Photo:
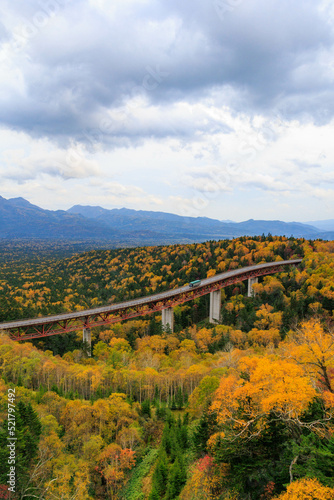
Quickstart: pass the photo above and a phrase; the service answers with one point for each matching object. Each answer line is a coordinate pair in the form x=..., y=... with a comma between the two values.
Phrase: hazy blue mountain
x=326, y=235
x=276, y=227
x=126, y=227
x=21, y=202
x=175, y=224
x=323, y=225
x=21, y=219
x=164, y=223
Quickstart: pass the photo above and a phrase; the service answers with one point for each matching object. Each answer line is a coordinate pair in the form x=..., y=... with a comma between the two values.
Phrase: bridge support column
x=168, y=318
x=251, y=282
x=87, y=338
x=215, y=306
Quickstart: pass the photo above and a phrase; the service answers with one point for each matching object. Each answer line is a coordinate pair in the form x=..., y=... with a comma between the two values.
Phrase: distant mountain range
x=324, y=225
x=121, y=227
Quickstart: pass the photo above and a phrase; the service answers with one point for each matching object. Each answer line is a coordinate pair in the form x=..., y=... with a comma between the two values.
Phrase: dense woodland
x=241, y=410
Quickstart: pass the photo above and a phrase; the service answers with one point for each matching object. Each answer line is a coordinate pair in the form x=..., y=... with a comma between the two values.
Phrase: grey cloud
x=81, y=64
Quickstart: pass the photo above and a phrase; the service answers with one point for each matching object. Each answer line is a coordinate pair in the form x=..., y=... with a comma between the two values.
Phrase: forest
x=240, y=410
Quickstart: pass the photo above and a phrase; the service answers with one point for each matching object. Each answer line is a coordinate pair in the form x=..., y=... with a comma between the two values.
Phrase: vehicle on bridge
x=114, y=313
x=192, y=284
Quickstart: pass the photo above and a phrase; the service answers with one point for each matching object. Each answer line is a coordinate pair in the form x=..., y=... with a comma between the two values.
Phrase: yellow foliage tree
x=268, y=319
x=202, y=395
x=238, y=338
x=313, y=348
x=205, y=481
x=210, y=273
x=204, y=339
x=306, y=489
x=264, y=337
x=278, y=388
x=71, y=480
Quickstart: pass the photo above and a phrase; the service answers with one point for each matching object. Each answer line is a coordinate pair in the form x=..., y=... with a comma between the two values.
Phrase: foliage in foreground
x=258, y=387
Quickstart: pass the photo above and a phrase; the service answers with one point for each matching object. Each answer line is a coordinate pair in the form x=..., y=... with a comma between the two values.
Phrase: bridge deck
x=219, y=278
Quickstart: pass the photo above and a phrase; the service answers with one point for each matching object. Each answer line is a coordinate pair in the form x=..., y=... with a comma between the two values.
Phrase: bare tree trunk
x=290, y=468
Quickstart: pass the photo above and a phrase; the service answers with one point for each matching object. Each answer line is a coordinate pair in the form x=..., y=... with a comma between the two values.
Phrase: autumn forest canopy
x=240, y=410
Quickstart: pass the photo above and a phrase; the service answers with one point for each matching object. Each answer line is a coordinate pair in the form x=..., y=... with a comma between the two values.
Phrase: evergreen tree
x=182, y=436
x=173, y=404
x=160, y=477
x=154, y=495
x=27, y=433
x=177, y=479
x=146, y=408
x=186, y=419
x=166, y=442
x=179, y=399
x=161, y=411
x=203, y=431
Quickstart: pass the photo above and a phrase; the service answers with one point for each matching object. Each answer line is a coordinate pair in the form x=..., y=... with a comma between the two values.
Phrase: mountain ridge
x=123, y=226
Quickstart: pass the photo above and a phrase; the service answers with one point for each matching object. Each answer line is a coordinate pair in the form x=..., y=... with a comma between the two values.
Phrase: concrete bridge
x=165, y=301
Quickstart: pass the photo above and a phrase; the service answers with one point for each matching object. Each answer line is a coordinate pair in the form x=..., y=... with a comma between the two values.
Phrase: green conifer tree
x=160, y=477
x=146, y=408
x=177, y=479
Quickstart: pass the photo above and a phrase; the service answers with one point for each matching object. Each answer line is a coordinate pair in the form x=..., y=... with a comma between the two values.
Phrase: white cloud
x=168, y=104
x=41, y=158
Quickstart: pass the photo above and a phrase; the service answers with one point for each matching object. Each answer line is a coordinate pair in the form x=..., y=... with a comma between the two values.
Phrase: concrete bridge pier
x=87, y=338
x=168, y=318
x=215, y=306
x=251, y=282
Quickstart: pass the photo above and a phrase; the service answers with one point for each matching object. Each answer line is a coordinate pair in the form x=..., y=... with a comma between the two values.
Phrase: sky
x=216, y=108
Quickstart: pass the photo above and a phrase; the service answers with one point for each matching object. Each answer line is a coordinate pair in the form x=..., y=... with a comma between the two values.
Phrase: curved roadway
x=143, y=300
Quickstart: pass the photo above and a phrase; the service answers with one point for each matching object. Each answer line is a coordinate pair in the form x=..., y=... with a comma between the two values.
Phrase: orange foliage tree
x=312, y=348
x=268, y=387
x=113, y=463
x=307, y=489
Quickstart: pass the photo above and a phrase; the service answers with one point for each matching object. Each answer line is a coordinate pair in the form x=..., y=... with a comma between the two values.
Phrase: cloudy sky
x=218, y=108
